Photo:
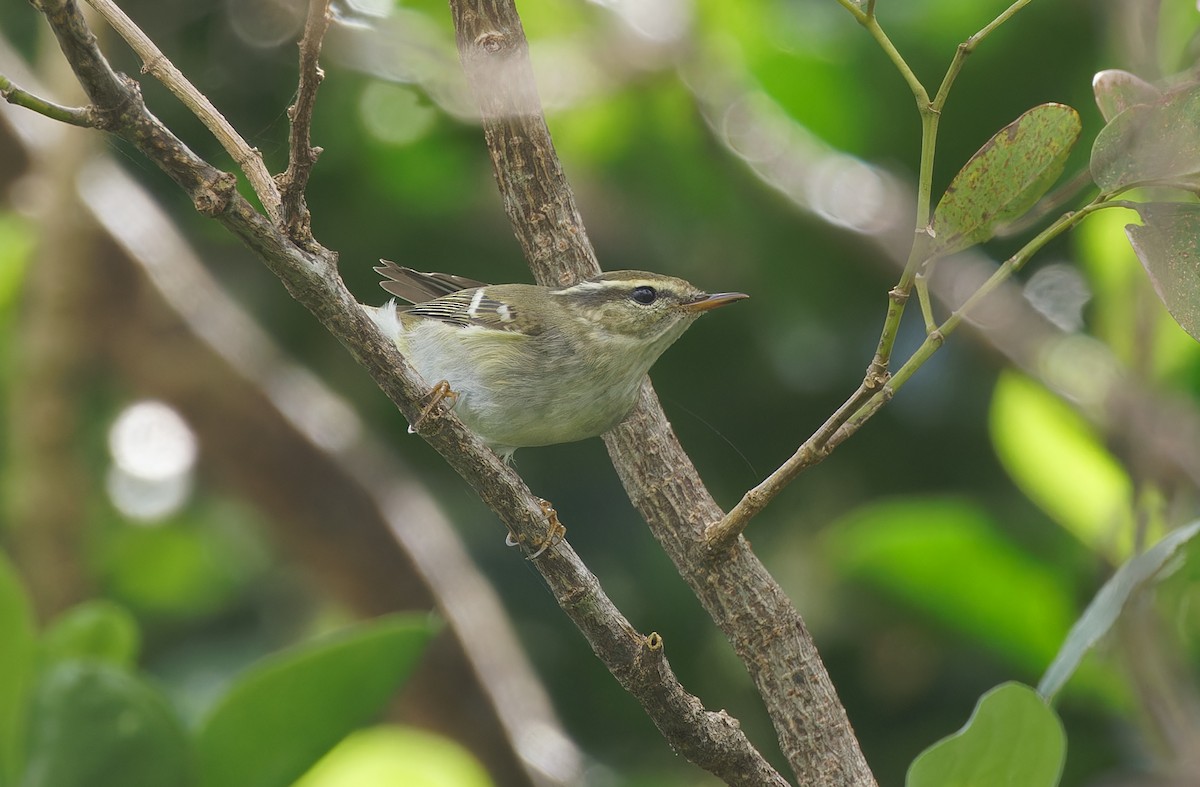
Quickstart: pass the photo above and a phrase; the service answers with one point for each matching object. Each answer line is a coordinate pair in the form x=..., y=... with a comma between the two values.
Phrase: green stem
x=967, y=47
x=1010, y=266
x=931, y=113
x=75, y=116
x=876, y=388
x=923, y=298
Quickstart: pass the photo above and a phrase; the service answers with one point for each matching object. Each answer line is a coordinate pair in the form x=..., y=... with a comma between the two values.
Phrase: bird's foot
x=555, y=532
x=442, y=392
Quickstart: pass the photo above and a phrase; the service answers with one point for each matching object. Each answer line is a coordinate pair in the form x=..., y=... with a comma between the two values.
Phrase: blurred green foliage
x=76, y=711
x=946, y=549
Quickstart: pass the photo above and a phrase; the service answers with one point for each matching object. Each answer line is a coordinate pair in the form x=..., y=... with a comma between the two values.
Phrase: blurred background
x=181, y=438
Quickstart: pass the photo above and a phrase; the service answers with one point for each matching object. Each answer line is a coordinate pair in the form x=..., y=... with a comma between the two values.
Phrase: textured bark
x=744, y=600
x=764, y=627
x=540, y=205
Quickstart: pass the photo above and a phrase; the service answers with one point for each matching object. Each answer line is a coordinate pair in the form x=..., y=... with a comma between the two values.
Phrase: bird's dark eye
x=644, y=295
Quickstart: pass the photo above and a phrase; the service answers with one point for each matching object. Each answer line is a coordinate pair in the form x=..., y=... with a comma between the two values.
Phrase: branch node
x=653, y=641
x=490, y=41
x=214, y=196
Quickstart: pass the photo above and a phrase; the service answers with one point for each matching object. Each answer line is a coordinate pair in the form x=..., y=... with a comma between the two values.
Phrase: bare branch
x=303, y=155
x=117, y=102
x=390, y=514
x=745, y=601
x=367, y=479
x=736, y=590
x=537, y=197
x=155, y=63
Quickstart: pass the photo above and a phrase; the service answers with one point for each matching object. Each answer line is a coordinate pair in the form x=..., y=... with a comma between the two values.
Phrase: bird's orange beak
x=710, y=302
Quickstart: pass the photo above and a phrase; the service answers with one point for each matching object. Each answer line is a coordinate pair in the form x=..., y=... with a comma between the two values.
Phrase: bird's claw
x=555, y=532
x=442, y=392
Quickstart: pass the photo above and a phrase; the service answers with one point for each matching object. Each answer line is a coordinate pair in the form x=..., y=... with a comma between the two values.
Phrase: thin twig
x=967, y=47
x=75, y=116
x=721, y=534
x=302, y=155
x=1003, y=273
x=921, y=283
x=155, y=63
x=931, y=113
x=1023, y=336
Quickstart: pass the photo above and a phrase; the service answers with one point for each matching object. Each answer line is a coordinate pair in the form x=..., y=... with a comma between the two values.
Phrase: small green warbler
x=528, y=365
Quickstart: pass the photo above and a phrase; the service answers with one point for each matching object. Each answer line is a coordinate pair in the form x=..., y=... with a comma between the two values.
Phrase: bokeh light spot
x=393, y=114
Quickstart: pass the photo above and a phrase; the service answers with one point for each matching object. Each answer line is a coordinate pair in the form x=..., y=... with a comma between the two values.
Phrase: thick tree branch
x=539, y=203
x=736, y=590
x=745, y=601
x=311, y=278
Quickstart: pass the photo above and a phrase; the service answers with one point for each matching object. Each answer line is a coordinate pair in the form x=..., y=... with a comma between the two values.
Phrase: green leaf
x=1117, y=91
x=1005, y=177
x=289, y=710
x=946, y=558
x=1159, y=346
x=1168, y=244
x=1056, y=458
x=1013, y=739
x=16, y=668
x=96, y=725
x=1106, y=607
x=1151, y=144
x=94, y=629
x=393, y=755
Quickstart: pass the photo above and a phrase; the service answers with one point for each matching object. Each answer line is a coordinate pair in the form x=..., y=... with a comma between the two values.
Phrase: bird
x=530, y=365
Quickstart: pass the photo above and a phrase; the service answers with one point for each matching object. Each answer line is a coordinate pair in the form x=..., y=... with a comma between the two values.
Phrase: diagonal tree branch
x=765, y=629
x=265, y=443
x=712, y=740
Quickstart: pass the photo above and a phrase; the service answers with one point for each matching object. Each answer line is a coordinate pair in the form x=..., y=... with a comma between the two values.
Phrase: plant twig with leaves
x=1002, y=182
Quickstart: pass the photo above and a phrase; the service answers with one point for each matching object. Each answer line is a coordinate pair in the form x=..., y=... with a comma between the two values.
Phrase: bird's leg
x=438, y=394
x=555, y=532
